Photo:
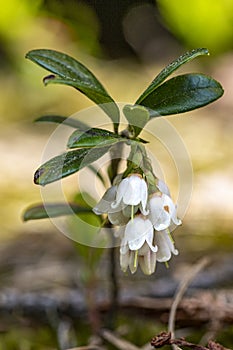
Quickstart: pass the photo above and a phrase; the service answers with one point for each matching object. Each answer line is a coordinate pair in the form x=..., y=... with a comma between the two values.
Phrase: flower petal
x=131, y=191
x=136, y=232
x=135, y=237
x=144, y=196
x=143, y=210
x=104, y=204
x=167, y=201
x=124, y=261
x=170, y=243
x=132, y=194
x=147, y=262
x=163, y=188
x=149, y=240
x=159, y=217
x=124, y=245
x=164, y=252
x=165, y=246
x=133, y=263
x=117, y=218
x=120, y=192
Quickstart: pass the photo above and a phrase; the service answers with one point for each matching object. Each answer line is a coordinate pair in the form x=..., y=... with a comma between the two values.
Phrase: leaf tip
x=48, y=78
x=200, y=51
x=28, y=54
x=24, y=217
x=37, y=176
x=205, y=50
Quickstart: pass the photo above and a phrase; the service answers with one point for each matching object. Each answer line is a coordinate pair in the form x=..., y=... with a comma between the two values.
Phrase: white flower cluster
x=144, y=219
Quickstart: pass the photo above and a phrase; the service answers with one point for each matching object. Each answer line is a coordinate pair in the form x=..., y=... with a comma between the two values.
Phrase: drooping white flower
x=117, y=216
x=137, y=246
x=138, y=231
x=165, y=245
x=162, y=211
x=144, y=257
x=145, y=237
x=132, y=191
x=104, y=205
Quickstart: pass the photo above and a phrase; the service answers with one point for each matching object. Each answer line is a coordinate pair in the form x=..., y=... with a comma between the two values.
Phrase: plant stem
x=116, y=156
x=114, y=288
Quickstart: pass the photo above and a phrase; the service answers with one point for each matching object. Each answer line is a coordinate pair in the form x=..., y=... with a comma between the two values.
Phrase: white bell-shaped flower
x=104, y=205
x=132, y=191
x=144, y=257
x=137, y=246
x=165, y=245
x=162, y=211
x=120, y=214
x=138, y=231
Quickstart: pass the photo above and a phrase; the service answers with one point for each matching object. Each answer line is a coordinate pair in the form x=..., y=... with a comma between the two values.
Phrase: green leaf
x=52, y=210
x=70, y=72
x=168, y=70
x=67, y=164
x=93, y=138
x=137, y=117
x=63, y=120
x=182, y=94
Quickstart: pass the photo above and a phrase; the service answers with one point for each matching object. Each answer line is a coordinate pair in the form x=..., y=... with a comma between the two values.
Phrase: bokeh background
x=125, y=43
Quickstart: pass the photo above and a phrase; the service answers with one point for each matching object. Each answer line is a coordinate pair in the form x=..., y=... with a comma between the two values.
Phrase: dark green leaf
x=168, y=70
x=53, y=210
x=182, y=94
x=93, y=138
x=137, y=117
x=63, y=120
x=67, y=164
x=70, y=72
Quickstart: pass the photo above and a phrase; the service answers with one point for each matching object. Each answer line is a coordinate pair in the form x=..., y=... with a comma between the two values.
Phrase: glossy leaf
x=168, y=70
x=70, y=72
x=137, y=116
x=53, y=210
x=58, y=119
x=67, y=164
x=93, y=138
x=183, y=93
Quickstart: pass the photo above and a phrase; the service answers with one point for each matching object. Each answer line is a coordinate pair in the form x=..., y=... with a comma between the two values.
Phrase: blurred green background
x=125, y=43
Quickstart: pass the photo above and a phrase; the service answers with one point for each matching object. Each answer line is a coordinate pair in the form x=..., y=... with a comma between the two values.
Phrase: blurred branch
x=38, y=307
x=180, y=292
x=112, y=314
x=118, y=342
